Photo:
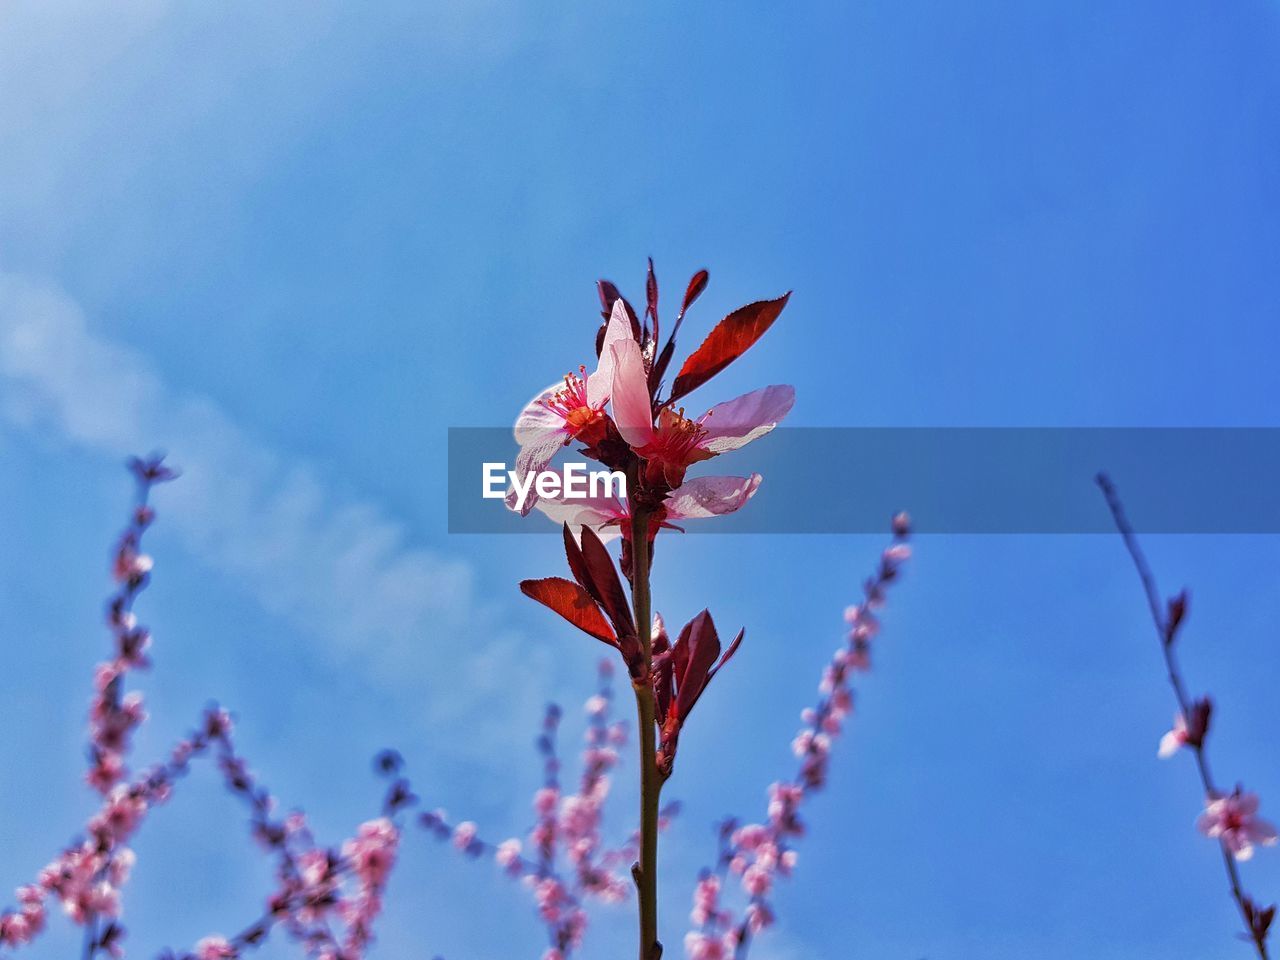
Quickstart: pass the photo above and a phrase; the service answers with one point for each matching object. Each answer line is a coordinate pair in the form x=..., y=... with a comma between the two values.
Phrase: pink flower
x=373, y=851
x=508, y=855
x=215, y=948
x=1175, y=739
x=757, y=881
x=569, y=410
x=700, y=946
x=131, y=565
x=545, y=800
x=464, y=834
x=1233, y=820
x=675, y=442
x=706, y=900
x=1187, y=732
x=696, y=499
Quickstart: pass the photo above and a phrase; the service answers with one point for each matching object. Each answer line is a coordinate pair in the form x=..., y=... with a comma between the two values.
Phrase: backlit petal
x=710, y=497
x=535, y=420
x=618, y=331
x=599, y=513
x=632, y=410
x=737, y=422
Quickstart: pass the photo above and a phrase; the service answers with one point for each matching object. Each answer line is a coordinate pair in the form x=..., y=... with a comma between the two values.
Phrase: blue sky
x=294, y=243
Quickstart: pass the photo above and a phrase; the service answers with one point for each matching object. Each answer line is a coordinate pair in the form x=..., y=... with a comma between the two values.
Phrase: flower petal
x=632, y=410
x=601, y=514
x=535, y=420
x=533, y=458
x=737, y=422
x=710, y=497
x=600, y=383
x=1263, y=832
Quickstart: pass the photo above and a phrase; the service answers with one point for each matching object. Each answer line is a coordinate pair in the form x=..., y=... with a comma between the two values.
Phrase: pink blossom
x=697, y=499
x=759, y=917
x=702, y=946
x=215, y=948
x=757, y=881
x=1233, y=820
x=508, y=855
x=545, y=801
x=1174, y=739
x=706, y=901
x=464, y=834
x=568, y=410
x=129, y=564
x=373, y=851
x=676, y=441
x=1189, y=729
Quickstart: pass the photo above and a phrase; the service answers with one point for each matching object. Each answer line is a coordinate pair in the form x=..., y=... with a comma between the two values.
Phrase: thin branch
x=1167, y=625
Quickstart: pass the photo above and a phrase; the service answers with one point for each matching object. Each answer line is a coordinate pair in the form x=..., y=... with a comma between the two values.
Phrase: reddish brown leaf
x=609, y=294
x=662, y=673
x=605, y=584
x=702, y=648
x=730, y=339
x=651, y=296
x=577, y=566
x=697, y=284
x=572, y=602
x=728, y=655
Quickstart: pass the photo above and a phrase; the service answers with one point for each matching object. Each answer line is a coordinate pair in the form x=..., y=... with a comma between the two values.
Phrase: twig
x=1167, y=622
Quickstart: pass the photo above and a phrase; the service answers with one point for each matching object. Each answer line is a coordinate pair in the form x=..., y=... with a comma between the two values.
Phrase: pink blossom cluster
x=87, y=878
x=114, y=714
x=326, y=899
x=563, y=859
x=757, y=854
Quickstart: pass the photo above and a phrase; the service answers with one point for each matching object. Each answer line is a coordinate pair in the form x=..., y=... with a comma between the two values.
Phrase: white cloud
x=340, y=568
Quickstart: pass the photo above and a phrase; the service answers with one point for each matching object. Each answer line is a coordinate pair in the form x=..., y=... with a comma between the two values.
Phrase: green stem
x=650, y=782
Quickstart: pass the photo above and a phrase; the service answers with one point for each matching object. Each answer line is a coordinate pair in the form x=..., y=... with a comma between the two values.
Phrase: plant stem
x=646, y=874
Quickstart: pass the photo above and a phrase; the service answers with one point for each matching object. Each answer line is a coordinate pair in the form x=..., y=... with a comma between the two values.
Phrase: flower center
x=678, y=437
x=570, y=403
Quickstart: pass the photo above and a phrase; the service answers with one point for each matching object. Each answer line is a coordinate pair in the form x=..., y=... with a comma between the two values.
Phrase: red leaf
x=662, y=673
x=728, y=655
x=730, y=339
x=572, y=602
x=697, y=284
x=702, y=647
x=605, y=585
x=609, y=294
x=577, y=566
x=651, y=296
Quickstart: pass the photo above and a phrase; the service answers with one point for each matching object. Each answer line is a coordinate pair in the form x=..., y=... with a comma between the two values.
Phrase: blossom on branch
x=1234, y=820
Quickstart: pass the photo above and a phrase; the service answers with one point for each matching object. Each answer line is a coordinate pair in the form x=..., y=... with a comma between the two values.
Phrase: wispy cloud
x=340, y=568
